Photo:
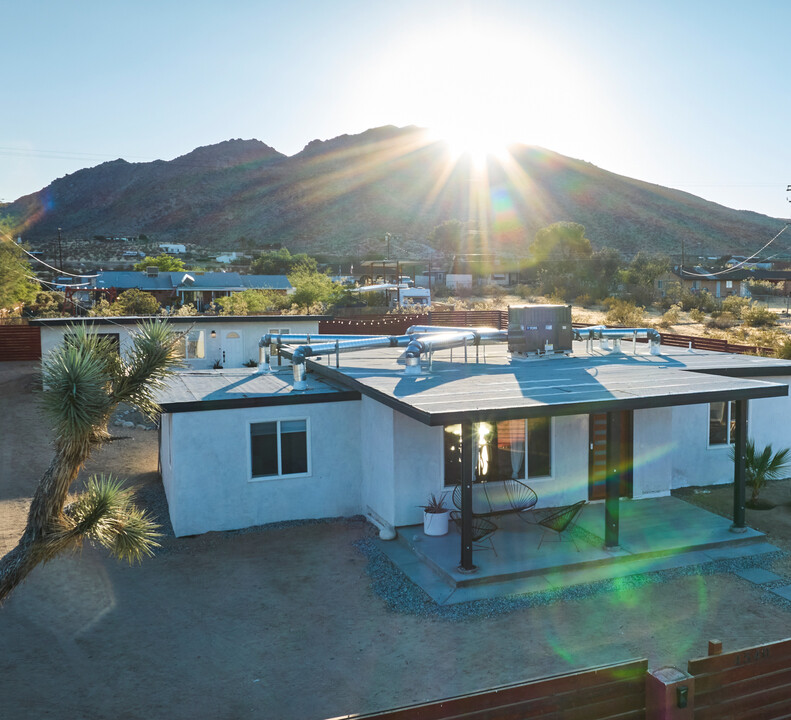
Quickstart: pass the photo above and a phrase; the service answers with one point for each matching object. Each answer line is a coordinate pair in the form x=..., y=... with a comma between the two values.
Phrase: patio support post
x=469, y=446
x=612, y=497
x=739, y=448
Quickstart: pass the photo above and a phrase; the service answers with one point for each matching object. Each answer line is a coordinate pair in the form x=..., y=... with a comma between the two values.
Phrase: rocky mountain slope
x=342, y=195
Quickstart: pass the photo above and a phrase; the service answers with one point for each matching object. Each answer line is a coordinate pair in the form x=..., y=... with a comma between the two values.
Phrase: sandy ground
x=282, y=623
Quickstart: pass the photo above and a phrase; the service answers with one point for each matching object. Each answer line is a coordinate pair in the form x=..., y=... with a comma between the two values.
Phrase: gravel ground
x=308, y=620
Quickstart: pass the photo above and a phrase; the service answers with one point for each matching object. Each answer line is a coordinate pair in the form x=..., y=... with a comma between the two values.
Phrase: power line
x=743, y=262
x=52, y=267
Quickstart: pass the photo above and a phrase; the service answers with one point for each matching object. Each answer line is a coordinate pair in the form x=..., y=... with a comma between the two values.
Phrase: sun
x=478, y=140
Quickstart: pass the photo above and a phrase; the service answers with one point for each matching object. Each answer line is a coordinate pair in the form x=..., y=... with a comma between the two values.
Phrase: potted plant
x=760, y=467
x=435, y=516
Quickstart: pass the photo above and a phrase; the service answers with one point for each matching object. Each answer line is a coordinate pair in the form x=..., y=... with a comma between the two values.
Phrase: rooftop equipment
x=539, y=329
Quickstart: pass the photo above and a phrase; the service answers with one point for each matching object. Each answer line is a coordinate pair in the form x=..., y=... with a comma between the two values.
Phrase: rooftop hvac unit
x=539, y=329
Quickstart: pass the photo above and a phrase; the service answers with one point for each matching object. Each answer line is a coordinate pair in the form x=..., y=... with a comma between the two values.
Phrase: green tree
x=561, y=241
x=166, y=263
x=312, y=289
x=282, y=262
x=129, y=302
x=84, y=381
x=253, y=302
x=15, y=286
x=640, y=276
x=447, y=236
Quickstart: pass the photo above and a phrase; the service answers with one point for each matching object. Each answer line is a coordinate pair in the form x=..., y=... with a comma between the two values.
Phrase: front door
x=232, y=350
x=597, y=454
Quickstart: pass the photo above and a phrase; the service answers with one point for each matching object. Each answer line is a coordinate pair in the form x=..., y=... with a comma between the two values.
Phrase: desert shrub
x=583, y=300
x=783, y=350
x=735, y=304
x=758, y=316
x=670, y=317
x=697, y=315
x=185, y=310
x=439, y=290
x=764, y=287
x=623, y=312
x=524, y=291
x=722, y=320
x=495, y=291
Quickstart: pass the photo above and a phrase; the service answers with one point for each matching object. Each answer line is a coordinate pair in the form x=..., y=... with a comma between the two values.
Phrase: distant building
x=172, y=248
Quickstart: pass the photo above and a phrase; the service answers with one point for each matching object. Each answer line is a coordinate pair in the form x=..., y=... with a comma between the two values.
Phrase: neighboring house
x=228, y=257
x=743, y=262
x=198, y=288
x=172, y=249
x=481, y=270
x=225, y=339
x=242, y=448
x=698, y=279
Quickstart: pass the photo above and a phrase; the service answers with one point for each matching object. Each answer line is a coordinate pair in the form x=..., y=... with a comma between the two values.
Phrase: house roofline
x=174, y=319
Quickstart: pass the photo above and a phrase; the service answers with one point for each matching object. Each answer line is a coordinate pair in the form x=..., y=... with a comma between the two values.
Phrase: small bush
x=697, y=315
x=671, y=317
x=758, y=316
x=623, y=312
x=525, y=291
x=735, y=304
x=783, y=350
x=495, y=291
x=584, y=300
x=722, y=320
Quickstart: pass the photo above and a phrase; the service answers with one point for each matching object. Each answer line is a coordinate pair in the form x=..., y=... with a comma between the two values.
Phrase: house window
x=722, y=423
x=278, y=448
x=729, y=284
x=502, y=452
x=192, y=345
x=279, y=331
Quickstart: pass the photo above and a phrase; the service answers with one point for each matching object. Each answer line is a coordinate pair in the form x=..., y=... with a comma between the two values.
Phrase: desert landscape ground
x=288, y=622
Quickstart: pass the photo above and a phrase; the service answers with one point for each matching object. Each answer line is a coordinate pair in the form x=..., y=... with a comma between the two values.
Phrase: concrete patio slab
x=758, y=575
x=655, y=534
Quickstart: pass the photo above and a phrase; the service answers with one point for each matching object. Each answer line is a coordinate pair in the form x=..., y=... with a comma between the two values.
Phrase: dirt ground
x=283, y=623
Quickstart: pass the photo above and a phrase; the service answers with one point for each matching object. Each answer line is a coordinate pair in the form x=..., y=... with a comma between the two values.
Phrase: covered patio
x=655, y=534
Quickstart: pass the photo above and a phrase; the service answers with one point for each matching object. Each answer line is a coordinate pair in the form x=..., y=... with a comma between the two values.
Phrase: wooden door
x=597, y=454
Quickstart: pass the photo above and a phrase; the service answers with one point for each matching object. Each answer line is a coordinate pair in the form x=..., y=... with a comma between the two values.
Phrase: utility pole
x=60, y=252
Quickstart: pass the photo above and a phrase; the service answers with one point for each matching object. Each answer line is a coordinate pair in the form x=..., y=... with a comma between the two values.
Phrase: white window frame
x=280, y=475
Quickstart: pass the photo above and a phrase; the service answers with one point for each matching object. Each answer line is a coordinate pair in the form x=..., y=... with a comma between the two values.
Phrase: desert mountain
x=335, y=196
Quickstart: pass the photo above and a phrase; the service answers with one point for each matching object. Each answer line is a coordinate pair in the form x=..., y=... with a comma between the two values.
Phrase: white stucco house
x=227, y=340
x=368, y=434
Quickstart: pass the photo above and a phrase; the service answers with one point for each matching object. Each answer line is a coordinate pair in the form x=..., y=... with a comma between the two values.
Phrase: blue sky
x=692, y=95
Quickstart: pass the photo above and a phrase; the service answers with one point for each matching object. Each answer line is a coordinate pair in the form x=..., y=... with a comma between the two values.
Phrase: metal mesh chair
x=517, y=498
x=559, y=521
x=482, y=530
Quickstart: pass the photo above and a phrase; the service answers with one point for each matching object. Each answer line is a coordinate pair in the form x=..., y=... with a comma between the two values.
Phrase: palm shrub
x=761, y=467
x=84, y=380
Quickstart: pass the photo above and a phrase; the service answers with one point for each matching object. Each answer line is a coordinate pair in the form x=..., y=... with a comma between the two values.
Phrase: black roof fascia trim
x=745, y=372
x=315, y=398
x=600, y=406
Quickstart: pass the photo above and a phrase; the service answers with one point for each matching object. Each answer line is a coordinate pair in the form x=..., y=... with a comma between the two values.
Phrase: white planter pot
x=436, y=523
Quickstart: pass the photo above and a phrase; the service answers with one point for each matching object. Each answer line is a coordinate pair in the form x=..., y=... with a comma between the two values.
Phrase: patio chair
x=559, y=521
x=482, y=530
x=516, y=498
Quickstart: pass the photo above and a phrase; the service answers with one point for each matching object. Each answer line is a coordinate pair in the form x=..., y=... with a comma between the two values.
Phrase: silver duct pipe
x=602, y=333
x=299, y=355
x=268, y=344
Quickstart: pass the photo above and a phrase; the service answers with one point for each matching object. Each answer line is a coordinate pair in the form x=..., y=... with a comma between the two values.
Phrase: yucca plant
x=761, y=467
x=84, y=380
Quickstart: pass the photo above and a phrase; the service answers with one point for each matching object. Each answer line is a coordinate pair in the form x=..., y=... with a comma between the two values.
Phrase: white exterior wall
x=652, y=451
x=694, y=462
x=209, y=485
x=249, y=332
x=377, y=459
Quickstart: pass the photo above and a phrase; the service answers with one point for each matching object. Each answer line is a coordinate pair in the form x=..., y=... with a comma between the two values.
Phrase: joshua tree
x=84, y=380
x=760, y=467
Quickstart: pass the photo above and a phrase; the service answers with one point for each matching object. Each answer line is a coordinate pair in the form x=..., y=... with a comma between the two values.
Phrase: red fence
x=20, y=342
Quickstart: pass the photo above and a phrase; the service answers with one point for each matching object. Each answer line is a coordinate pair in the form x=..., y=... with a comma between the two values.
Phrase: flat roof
x=198, y=390
x=174, y=319
x=500, y=388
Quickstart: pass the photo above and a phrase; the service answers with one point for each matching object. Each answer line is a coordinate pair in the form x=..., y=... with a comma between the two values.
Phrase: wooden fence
x=745, y=684
x=19, y=342
x=602, y=693
x=749, y=684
